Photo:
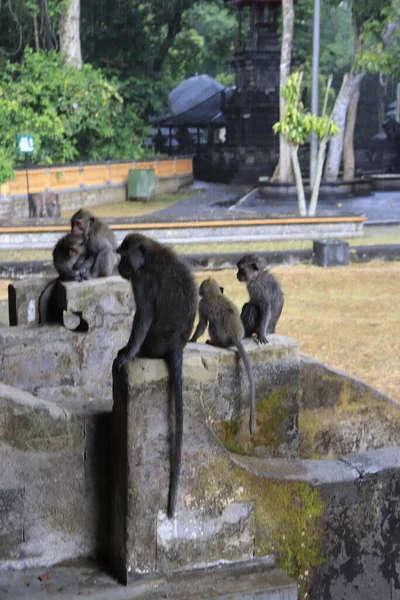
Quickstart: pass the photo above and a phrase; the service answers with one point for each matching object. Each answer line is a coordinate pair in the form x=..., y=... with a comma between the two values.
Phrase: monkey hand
x=122, y=359
x=262, y=339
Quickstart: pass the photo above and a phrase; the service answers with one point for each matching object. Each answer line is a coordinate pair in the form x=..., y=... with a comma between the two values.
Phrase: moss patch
x=288, y=515
x=271, y=414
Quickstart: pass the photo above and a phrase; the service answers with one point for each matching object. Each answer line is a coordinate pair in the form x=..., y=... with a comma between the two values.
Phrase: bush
x=73, y=114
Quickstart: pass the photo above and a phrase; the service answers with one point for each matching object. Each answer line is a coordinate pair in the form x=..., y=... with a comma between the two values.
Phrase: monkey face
x=249, y=267
x=133, y=252
x=81, y=223
x=76, y=247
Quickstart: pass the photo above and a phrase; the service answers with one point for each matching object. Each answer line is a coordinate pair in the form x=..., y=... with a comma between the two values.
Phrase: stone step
x=197, y=538
x=252, y=580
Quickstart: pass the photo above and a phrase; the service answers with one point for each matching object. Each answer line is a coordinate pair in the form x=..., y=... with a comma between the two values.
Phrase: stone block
x=142, y=538
x=23, y=298
x=330, y=253
x=95, y=298
x=31, y=360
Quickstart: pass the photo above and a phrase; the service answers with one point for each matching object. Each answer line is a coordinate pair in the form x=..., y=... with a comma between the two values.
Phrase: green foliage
x=376, y=55
x=6, y=166
x=297, y=122
x=336, y=38
x=73, y=114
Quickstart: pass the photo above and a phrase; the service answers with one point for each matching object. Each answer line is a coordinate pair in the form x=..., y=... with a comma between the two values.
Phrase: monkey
x=225, y=329
x=44, y=205
x=100, y=242
x=260, y=315
x=166, y=304
x=68, y=258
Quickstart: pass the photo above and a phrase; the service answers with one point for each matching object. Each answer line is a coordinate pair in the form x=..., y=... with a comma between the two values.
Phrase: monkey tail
x=245, y=358
x=47, y=307
x=175, y=371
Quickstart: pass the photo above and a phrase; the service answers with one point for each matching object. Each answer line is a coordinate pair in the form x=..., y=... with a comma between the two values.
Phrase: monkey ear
x=222, y=290
x=91, y=220
x=143, y=249
x=254, y=266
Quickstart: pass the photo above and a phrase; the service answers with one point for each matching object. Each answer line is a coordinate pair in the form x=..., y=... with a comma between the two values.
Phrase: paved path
x=220, y=201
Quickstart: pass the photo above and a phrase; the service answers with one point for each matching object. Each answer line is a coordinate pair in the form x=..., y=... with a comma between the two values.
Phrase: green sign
x=25, y=143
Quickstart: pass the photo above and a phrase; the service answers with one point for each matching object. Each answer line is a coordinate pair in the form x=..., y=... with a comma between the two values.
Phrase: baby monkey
x=260, y=315
x=224, y=327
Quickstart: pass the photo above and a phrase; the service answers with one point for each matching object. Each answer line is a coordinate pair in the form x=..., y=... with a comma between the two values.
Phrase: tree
x=368, y=17
x=296, y=126
x=285, y=173
x=73, y=114
x=70, y=40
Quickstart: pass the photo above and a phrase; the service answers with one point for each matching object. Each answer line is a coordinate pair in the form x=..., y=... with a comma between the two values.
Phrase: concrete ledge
x=200, y=262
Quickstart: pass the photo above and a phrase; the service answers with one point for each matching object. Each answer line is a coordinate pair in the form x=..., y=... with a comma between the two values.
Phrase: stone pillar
x=210, y=524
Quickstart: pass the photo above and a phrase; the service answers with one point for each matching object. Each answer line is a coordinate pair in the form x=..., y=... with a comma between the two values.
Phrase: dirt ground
x=347, y=317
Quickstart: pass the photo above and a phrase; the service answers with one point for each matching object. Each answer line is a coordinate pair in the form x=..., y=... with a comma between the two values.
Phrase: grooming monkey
x=166, y=304
x=260, y=315
x=224, y=327
x=100, y=242
x=68, y=258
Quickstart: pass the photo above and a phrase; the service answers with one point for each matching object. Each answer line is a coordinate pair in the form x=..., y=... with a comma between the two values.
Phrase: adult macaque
x=166, y=304
x=260, y=315
x=69, y=256
x=224, y=327
x=44, y=204
x=100, y=242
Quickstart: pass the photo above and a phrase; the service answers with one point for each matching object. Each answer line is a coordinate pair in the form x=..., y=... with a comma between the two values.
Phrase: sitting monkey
x=69, y=256
x=260, y=315
x=224, y=327
x=100, y=243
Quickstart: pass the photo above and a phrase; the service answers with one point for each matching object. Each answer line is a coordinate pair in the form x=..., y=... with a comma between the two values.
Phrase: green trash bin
x=141, y=184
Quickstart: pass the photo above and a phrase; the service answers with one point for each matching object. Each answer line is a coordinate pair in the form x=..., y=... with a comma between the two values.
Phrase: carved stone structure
x=80, y=479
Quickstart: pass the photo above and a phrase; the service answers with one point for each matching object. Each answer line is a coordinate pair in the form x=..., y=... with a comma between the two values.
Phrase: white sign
x=25, y=143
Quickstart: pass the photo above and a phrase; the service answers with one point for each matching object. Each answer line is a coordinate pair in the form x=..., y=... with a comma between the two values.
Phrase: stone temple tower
x=253, y=107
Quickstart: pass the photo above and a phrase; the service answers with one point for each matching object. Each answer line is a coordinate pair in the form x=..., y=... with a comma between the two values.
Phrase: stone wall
x=53, y=481
x=54, y=361
x=77, y=480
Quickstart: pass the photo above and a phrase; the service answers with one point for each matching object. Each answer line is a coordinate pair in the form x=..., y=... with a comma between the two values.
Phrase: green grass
x=137, y=208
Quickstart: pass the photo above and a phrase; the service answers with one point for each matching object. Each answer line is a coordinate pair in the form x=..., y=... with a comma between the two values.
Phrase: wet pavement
x=212, y=201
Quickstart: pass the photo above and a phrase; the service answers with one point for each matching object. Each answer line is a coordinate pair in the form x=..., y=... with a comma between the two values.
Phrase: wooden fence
x=75, y=177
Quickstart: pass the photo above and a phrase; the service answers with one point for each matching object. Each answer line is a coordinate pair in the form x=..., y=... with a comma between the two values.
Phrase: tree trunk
x=48, y=32
x=285, y=171
x=383, y=83
x=70, y=40
x=36, y=32
x=299, y=180
x=349, y=163
x=318, y=176
x=339, y=116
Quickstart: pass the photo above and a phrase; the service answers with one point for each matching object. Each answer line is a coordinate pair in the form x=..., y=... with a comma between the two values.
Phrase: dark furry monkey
x=166, y=304
x=68, y=258
x=224, y=327
x=101, y=245
x=260, y=315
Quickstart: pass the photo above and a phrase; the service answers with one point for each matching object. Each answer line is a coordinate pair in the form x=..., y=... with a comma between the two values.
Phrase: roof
x=196, y=102
x=192, y=91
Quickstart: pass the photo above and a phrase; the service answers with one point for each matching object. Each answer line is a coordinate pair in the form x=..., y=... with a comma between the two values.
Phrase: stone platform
x=255, y=580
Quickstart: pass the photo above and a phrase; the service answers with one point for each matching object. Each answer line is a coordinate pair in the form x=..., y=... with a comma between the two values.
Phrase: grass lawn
x=136, y=208
x=347, y=317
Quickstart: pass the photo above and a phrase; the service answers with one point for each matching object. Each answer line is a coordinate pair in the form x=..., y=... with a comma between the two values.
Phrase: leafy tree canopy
x=73, y=114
